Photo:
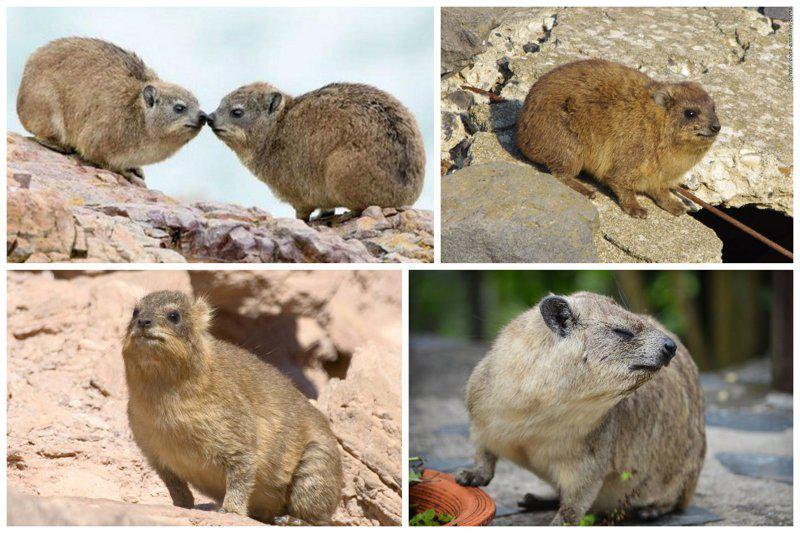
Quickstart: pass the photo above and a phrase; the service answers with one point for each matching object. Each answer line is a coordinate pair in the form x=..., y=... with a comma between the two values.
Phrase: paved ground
x=746, y=480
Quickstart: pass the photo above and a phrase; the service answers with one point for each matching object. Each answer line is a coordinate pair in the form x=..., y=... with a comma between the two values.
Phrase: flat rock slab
x=61, y=210
x=24, y=510
x=758, y=465
x=509, y=213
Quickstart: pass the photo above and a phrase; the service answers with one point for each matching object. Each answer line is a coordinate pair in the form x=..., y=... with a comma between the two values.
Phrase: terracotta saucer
x=470, y=506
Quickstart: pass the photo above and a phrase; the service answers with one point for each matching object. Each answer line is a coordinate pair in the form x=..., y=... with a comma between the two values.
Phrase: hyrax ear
x=275, y=102
x=149, y=95
x=202, y=312
x=663, y=97
x=557, y=314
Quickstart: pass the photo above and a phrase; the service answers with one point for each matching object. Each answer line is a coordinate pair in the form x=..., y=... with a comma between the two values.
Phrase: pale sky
x=212, y=51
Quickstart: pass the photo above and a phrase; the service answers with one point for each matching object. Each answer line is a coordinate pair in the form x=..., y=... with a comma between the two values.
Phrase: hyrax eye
x=174, y=317
x=690, y=113
x=179, y=108
x=624, y=333
x=237, y=112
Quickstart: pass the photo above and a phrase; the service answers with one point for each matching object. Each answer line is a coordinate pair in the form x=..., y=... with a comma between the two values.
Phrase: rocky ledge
x=742, y=57
x=61, y=210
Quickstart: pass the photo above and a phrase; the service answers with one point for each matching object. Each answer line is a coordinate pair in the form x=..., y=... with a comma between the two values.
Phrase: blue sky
x=211, y=51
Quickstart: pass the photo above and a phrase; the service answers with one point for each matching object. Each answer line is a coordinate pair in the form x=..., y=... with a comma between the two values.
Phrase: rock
x=463, y=33
x=366, y=416
x=332, y=332
x=500, y=212
x=24, y=510
x=660, y=238
x=493, y=117
x=59, y=210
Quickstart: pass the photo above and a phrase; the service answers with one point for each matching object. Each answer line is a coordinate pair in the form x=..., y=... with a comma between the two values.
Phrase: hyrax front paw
x=472, y=477
x=636, y=211
x=671, y=205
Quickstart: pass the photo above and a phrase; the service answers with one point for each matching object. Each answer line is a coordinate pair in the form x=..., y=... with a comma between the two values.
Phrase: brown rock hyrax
x=90, y=97
x=208, y=414
x=344, y=145
x=631, y=133
x=603, y=404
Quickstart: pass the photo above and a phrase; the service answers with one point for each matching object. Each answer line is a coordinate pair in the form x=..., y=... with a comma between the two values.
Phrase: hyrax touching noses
x=94, y=98
x=344, y=145
x=631, y=133
x=602, y=404
x=208, y=414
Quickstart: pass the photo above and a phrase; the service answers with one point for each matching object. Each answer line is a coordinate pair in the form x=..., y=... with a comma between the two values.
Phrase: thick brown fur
x=344, y=145
x=211, y=415
x=92, y=97
x=582, y=393
x=631, y=133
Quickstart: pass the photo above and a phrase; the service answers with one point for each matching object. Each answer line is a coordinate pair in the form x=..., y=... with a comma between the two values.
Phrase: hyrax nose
x=144, y=322
x=211, y=118
x=201, y=118
x=715, y=127
x=668, y=350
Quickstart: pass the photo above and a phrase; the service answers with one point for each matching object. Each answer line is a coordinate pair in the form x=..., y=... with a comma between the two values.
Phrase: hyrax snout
x=344, y=145
x=92, y=97
x=208, y=414
x=601, y=403
x=630, y=132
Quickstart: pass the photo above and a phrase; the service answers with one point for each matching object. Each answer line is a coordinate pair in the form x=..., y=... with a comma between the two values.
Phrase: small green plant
x=431, y=517
x=626, y=476
x=587, y=520
x=414, y=470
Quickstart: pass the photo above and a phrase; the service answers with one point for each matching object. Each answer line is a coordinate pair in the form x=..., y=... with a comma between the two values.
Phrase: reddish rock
x=61, y=210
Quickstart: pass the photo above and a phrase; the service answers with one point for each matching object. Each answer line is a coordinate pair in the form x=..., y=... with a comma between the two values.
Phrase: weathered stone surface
x=464, y=32
x=366, y=416
x=24, y=510
x=500, y=212
x=60, y=210
x=332, y=332
x=740, y=56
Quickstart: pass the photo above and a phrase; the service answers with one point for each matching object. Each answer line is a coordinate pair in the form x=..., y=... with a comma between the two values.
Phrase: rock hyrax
x=632, y=133
x=344, y=145
x=94, y=98
x=209, y=414
x=603, y=404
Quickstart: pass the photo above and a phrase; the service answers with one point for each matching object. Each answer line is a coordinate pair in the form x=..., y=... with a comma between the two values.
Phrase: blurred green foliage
x=722, y=316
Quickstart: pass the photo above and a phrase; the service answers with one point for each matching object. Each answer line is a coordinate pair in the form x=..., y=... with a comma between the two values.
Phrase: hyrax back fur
x=581, y=392
x=632, y=133
x=94, y=98
x=344, y=145
x=209, y=414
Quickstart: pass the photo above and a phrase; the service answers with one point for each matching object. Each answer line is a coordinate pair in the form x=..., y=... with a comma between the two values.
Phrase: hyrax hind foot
x=54, y=146
x=287, y=520
x=530, y=502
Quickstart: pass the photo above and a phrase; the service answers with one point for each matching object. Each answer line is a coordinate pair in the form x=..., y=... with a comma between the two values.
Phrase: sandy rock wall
x=338, y=334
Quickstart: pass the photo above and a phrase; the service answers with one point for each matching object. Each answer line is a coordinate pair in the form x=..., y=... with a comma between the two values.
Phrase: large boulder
x=506, y=213
x=334, y=333
x=60, y=210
